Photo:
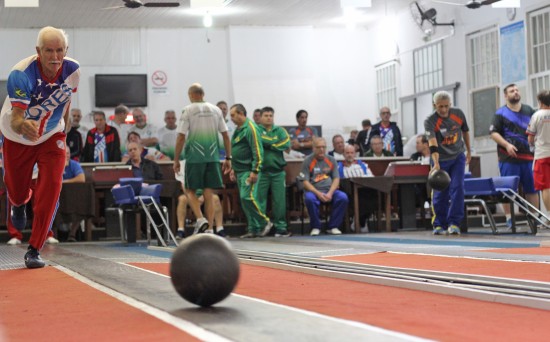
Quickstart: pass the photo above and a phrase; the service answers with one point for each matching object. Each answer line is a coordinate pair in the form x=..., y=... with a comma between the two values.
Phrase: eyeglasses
x=385, y=113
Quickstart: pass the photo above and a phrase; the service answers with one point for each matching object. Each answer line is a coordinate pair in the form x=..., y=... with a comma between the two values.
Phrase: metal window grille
x=484, y=62
x=386, y=85
x=539, y=50
x=428, y=67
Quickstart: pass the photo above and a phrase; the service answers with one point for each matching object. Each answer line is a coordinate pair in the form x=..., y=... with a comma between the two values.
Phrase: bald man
x=34, y=120
x=198, y=131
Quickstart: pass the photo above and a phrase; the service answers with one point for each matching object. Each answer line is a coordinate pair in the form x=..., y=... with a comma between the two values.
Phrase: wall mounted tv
x=127, y=89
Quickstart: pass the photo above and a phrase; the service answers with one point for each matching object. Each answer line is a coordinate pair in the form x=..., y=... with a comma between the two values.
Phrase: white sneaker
x=334, y=231
x=52, y=240
x=267, y=229
x=365, y=229
x=14, y=241
x=201, y=225
x=315, y=232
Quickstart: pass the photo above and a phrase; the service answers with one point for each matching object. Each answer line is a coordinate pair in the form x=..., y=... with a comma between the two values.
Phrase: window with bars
x=483, y=52
x=539, y=50
x=428, y=67
x=386, y=85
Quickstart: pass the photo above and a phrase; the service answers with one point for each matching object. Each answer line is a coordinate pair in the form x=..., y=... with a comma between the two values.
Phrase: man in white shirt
x=119, y=122
x=146, y=131
x=167, y=135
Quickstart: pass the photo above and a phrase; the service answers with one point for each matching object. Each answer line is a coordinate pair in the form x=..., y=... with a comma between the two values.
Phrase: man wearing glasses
x=389, y=132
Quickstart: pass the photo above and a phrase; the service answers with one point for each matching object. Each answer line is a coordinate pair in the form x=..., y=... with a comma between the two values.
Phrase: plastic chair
x=147, y=198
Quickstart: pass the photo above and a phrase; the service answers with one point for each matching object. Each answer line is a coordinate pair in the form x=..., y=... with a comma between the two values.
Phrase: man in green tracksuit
x=275, y=140
x=247, y=149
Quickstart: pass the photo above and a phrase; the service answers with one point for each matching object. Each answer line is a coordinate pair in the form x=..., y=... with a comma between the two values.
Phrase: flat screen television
x=128, y=89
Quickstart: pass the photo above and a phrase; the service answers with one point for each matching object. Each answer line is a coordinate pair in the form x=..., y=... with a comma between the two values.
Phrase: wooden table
x=380, y=183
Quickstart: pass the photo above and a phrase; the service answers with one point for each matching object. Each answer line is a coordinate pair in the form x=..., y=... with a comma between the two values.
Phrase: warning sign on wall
x=159, y=79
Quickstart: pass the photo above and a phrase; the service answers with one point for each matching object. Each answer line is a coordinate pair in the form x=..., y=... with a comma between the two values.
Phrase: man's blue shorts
x=525, y=172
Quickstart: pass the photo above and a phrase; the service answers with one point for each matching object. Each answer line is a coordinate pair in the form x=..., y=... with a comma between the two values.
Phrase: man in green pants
x=275, y=140
x=247, y=149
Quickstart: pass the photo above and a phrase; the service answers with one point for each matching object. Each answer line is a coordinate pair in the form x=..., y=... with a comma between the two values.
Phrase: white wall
x=329, y=72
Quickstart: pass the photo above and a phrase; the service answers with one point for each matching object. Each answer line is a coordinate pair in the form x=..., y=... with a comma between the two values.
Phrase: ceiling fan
x=425, y=19
x=472, y=4
x=138, y=3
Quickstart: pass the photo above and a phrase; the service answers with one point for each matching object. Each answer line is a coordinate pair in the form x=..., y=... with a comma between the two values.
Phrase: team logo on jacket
x=60, y=144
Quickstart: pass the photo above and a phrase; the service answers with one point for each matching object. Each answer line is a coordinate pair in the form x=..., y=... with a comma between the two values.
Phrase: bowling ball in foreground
x=439, y=180
x=204, y=269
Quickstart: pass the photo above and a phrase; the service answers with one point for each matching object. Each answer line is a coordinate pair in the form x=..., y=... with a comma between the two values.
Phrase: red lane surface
x=530, y=251
x=497, y=268
x=49, y=305
x=417, y=313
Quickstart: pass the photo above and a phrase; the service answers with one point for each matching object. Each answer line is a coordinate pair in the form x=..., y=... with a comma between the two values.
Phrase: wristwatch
x=227, y=157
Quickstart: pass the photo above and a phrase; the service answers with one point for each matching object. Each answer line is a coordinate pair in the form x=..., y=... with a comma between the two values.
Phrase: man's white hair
x=48, y=32
x=442, y=95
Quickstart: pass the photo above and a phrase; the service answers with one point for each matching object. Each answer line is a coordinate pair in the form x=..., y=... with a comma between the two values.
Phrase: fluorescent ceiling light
x=20, y=3
x=209, y=3
x=207, y=20
x=355, y=3
x=507, y=4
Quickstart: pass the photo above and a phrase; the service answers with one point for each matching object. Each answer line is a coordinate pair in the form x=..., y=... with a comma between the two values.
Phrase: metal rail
x=522, y=289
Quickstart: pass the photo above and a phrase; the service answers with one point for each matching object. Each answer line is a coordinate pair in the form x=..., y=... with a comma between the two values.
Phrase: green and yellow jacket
x=274, y=141
x=246, y=148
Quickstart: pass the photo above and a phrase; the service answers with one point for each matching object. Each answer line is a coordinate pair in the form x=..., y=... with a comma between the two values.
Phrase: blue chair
x=133, y=194
x=502, y=190
x=477, y=191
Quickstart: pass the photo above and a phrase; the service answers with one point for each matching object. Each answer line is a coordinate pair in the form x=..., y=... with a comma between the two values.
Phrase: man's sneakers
x=438, y=231
x=14, y=241
x=454, y=229
x=33, y=259
x=221, y=232
x=282, y=233
x=201, y=225
x=249, y=235
x=334, y=231
x=51, y=240
x=180, y=234
x=267, y=229
x=19, y=217
x=315, y=232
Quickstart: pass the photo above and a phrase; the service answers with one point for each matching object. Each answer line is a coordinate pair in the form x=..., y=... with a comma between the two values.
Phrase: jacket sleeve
x=256, y=147
x=398, y=142
x=116, y=146
x=88, y=151
x=283, y=140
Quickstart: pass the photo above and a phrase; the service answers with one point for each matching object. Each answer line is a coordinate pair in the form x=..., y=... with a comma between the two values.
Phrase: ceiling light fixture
x=207, y=20
x=507, y=4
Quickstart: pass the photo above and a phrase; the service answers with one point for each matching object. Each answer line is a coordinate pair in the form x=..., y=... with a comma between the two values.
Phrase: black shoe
x=221, y=233
x=180, y=235
x=249, y=235
x=19, y=217
x=33, y=259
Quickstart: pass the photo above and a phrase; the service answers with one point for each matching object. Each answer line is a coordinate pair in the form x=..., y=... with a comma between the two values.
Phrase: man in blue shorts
x=515, y=158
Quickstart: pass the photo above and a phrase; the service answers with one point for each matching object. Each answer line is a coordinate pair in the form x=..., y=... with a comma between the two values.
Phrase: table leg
x=356, y=208
x=388, y=212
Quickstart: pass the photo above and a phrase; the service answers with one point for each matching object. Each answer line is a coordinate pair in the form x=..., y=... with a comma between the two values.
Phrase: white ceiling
x=89, y=13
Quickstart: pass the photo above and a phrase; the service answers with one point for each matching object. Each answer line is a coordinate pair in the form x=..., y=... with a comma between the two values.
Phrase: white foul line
x=176, y=322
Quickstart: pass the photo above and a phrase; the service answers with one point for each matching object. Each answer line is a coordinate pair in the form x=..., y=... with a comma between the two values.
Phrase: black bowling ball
x=204, y=269
x=439, y=180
